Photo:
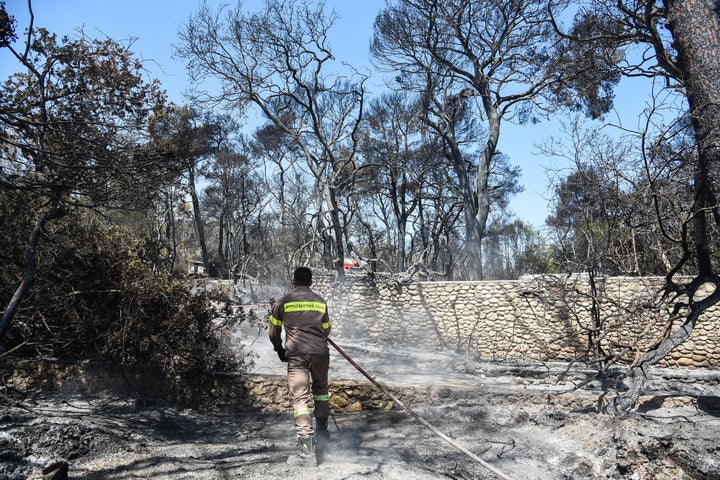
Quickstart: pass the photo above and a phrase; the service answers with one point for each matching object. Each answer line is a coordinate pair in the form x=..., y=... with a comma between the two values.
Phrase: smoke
x=392, y=354
x=250, y=339
x=389, y=359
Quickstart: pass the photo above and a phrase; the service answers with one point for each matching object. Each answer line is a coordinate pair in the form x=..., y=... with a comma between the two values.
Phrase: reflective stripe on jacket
x=304, y=315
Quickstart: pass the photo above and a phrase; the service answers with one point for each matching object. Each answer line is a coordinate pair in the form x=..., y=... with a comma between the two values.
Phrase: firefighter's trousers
x=308, y=382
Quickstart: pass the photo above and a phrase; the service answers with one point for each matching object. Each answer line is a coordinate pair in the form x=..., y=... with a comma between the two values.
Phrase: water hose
x=417, y=417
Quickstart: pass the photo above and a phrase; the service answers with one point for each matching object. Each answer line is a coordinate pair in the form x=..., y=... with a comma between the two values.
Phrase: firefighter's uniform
x=304, y=316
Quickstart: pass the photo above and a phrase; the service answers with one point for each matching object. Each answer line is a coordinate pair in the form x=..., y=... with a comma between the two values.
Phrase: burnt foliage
x=97, y=297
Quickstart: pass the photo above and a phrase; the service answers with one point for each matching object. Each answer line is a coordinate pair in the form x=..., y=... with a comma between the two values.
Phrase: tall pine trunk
x=696, y=34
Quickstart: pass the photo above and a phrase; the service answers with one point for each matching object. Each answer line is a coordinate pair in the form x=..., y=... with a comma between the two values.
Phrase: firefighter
x=304, y=316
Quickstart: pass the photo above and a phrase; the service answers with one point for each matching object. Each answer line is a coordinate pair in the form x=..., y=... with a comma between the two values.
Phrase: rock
x=339, y=401
x=54, y=471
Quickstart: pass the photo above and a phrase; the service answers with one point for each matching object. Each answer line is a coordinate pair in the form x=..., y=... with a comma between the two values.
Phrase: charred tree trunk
x=28, y=280
x=171, y=233
x=474, y=228
x=695, y=25
x=696, y=30
x=199, y=227
x=331, y=200
x=638, y=372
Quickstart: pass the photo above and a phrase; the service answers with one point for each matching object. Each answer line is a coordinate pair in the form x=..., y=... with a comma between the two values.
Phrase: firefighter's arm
x=326, y=323
x=275, y=331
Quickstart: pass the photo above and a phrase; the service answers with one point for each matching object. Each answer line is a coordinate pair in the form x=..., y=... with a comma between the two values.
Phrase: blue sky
x=155, y=23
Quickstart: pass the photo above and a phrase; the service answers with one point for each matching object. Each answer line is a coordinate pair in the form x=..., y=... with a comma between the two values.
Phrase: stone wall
x=541, y=319
x=534, y=318
x=228, y=391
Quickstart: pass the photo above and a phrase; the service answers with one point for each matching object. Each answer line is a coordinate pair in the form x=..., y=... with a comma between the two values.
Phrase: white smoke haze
x=386, y=361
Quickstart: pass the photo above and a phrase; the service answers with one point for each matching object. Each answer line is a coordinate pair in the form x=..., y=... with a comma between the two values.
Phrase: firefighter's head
x=302, y=277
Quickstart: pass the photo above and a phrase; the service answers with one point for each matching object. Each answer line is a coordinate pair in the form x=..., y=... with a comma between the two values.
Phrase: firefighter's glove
x=281, y=355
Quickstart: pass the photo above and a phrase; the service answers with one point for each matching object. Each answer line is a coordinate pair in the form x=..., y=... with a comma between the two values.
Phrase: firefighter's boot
x=305, y=455
x=321, y=429
x=323, y=437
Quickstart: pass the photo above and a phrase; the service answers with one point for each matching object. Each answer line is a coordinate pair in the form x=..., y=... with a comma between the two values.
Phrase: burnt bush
x=98, y=296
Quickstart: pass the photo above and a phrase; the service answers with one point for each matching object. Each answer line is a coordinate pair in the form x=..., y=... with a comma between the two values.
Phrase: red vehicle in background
x=351, y=266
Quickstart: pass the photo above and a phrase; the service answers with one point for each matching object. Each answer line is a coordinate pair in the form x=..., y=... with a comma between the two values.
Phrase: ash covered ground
x=526, y=420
